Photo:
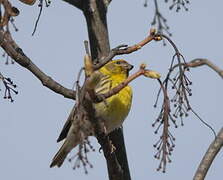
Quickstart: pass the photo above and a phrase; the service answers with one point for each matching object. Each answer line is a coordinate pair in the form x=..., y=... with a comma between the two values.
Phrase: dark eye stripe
x=121, y=62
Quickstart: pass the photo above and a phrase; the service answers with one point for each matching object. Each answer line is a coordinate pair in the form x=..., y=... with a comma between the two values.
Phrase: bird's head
x=119, y=66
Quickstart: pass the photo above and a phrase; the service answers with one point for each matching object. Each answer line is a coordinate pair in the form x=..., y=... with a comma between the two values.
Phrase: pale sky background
x=30, y=126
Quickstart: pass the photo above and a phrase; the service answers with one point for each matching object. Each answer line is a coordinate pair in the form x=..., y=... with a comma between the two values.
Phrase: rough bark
x=95, y=12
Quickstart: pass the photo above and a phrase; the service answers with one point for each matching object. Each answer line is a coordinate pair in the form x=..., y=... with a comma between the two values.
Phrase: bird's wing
x=67, y=125
x=74, y=135
x=103, y=86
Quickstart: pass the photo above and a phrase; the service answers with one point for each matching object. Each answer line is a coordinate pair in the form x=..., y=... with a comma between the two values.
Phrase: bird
x=113, y=110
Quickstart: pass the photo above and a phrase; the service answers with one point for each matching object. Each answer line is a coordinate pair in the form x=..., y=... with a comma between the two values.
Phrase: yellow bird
x=113, y=112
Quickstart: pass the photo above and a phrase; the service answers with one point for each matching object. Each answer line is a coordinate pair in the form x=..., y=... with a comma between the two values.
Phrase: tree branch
x=209, y=156
x=16, y=53
x=200, y=62
x=127, y=50
x=95, y=12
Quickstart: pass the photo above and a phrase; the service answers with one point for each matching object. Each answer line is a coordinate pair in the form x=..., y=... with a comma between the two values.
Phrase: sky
x=31, y=124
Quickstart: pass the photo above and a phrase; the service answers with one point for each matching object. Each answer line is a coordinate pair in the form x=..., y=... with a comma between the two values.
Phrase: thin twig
x=40, y=12
x=112, y=53
x=124, y=49
x=38, y=18
x=206, y=124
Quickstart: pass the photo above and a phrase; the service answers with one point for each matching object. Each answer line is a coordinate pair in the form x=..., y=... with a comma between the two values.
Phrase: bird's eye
x=118, y=62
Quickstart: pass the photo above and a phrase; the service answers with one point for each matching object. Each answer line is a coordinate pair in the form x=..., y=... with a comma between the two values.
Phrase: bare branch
x=10, y=11
x=209, y=156
x=200, y=62
x=16, y=53
x=127, y=50
x=139, y=45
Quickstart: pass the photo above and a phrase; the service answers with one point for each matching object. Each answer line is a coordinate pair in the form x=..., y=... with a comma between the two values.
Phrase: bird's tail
x=72, y=140
x=67, y=146
x=60, y=156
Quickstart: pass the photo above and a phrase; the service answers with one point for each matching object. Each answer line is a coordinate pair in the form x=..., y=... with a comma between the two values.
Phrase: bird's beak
x=130, y=67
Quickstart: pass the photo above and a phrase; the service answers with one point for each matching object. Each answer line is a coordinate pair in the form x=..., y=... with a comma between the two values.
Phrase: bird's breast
x=115, y=109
